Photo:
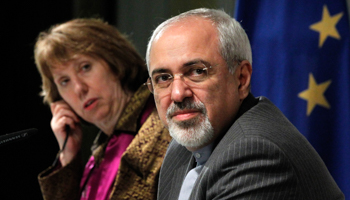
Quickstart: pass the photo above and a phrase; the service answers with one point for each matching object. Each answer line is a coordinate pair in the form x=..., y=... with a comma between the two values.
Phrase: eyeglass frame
x=151, y=87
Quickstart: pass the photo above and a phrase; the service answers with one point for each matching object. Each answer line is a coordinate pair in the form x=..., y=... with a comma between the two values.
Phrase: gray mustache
x=186, y=104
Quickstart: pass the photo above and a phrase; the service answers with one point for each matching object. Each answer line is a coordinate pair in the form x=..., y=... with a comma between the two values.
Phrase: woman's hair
x=91, y=37
x=234, y=45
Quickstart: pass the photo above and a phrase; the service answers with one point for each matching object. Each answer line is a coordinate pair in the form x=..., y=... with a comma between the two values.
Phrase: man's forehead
x=182, y=42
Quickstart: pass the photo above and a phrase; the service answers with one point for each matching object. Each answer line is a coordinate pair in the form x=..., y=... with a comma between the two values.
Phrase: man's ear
x=244, y=73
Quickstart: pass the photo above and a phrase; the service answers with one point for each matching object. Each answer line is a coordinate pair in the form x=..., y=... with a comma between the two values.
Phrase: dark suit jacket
x=262, y=156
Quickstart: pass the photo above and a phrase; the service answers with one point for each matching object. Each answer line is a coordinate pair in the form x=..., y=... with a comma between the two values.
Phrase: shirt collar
x=203, y=154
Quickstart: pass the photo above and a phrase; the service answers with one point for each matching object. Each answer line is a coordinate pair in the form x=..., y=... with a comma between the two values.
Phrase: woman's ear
x=244, y=76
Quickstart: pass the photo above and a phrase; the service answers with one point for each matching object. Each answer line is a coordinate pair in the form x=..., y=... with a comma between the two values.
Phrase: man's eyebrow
x=160, y=70
x=187, y=64
x=196, y=61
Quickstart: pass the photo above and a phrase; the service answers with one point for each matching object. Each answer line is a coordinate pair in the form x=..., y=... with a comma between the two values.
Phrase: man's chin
x=190, y=138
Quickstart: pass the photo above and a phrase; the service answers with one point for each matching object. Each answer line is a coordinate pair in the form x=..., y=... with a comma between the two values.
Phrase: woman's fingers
x=63, y=115
x=61, y=108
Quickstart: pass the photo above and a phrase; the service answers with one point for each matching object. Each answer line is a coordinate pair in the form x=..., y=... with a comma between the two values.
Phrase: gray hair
x=234, y=44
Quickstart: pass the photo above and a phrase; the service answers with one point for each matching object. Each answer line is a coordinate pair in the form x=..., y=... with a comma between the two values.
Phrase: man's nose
x=179, y=89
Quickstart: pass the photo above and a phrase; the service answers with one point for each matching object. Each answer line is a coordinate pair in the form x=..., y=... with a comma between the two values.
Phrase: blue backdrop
x=301, y=62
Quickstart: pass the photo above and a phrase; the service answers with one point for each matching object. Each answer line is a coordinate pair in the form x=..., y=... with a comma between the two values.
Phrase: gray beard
x=192, y=133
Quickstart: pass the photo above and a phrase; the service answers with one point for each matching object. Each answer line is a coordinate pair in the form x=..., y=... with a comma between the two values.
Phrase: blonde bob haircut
x=91, y=37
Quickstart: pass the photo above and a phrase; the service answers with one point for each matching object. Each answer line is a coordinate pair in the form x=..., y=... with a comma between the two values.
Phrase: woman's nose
x=80, y=87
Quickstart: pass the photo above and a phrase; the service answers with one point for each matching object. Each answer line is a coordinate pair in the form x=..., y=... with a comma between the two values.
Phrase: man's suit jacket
x=262, y=156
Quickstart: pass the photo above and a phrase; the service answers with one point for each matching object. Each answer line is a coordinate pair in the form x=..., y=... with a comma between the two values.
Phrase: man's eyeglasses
x=194, y=74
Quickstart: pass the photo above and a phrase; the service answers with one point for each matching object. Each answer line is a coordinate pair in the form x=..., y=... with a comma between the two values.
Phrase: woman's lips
x=90, y=104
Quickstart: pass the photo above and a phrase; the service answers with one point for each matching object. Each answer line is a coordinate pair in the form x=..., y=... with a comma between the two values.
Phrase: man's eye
x=162, y=78
x=196, y=71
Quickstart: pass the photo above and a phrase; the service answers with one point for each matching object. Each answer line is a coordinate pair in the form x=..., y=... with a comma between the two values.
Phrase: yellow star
x=314, y=95
x=326, y=27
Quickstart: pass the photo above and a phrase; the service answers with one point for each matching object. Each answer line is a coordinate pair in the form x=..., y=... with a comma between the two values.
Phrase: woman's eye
x=64, y=82
x=86, y=67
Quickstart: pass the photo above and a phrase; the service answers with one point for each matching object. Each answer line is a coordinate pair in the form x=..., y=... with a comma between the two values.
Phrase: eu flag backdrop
x=301, y=62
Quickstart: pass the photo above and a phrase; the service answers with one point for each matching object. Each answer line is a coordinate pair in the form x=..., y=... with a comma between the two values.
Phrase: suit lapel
x=179, y=176
x=177, y=162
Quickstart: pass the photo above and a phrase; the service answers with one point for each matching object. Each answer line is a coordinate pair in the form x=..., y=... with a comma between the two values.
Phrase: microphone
x=17, y=136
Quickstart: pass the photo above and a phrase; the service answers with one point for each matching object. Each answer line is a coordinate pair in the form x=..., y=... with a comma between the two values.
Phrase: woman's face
x=90, y=88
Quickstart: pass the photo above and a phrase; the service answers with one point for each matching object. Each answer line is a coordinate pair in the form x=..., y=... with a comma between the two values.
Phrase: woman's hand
x=62, y=115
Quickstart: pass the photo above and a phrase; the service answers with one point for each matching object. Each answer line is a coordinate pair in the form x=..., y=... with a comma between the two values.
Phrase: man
x=227, y=144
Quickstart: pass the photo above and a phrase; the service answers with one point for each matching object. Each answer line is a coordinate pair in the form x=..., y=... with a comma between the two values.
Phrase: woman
x=91, y=73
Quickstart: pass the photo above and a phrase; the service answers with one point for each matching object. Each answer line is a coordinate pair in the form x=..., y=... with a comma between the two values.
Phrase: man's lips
x=184, y=115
